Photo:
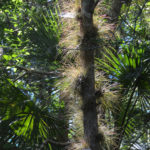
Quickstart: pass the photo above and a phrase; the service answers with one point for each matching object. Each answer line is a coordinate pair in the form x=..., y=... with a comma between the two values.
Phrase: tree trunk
x=88, y=35
x=116, y=8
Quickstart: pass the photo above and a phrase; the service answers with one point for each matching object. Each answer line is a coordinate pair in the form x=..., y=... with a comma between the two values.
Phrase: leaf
x=148, y=3
x=7, y=57
x=134, y=64
x=14, y=55
x=15, y=69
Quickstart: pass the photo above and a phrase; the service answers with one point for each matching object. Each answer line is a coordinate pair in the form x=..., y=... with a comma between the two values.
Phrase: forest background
x=75, y=75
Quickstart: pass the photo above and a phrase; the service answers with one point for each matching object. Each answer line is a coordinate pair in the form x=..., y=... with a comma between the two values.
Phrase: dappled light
x=74, y=75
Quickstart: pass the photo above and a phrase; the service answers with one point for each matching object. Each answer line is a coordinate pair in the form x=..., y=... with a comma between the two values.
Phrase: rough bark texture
x=88, y=34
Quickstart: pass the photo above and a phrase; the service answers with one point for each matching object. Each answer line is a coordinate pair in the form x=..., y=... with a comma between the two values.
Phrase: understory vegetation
x=74, y=75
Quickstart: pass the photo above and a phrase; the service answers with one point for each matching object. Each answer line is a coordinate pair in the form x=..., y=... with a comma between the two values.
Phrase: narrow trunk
x=114, y=13
x=88, y=35
x=115, y=10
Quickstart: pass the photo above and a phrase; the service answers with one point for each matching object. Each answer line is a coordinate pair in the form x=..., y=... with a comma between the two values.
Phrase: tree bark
x=116, y=8
x=88, y=35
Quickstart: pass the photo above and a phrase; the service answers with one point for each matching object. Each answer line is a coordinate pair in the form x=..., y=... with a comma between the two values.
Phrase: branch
x=139, y=14
x=36, y=71
x=95, y=4
x=54, y=142
x=97, y=1
x=20, y=76
x=32, y=70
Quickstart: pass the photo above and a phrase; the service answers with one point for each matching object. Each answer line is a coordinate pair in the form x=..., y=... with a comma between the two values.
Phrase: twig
x=139, y=14
x=20, y=76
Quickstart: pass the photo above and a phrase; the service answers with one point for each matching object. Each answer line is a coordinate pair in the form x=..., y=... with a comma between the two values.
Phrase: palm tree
x=129, y=68
x=25, y=123
x=88, y=34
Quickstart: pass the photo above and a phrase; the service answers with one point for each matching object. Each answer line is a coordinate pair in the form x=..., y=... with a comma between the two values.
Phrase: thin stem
x=127, y=108
x=129, y=116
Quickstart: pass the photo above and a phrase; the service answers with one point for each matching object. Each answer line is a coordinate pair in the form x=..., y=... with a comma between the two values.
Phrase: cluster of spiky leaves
x=24, y=122
x=129, y=66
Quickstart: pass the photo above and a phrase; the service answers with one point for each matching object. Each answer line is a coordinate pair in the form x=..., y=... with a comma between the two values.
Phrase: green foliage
x=128, y=66
x=31, y=109
x=29, y=102
x=26, y=119
x=130, y=69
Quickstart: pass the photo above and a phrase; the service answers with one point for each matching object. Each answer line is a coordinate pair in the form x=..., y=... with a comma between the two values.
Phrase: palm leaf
x=26, y=119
